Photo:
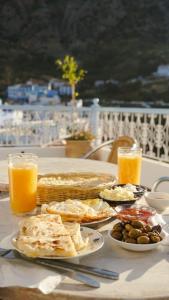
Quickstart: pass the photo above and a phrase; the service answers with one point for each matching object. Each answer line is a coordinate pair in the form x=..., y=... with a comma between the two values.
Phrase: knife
x=79, y=267
x=72, y=266
x=78, y=276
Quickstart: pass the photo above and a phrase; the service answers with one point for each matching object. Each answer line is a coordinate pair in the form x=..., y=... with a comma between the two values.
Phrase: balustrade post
x=95, y=121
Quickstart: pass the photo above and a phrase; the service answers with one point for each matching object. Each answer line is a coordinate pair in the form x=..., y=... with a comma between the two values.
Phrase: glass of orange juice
x=22, y=170
x=129, y=165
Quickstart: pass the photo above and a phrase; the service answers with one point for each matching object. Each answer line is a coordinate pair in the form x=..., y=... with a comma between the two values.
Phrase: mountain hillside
x=112, y=39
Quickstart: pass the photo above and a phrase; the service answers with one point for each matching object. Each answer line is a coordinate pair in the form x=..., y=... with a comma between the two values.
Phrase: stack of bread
x=46, y=236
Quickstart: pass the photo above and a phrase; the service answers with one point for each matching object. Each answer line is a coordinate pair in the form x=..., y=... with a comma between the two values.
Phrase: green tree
x=71, y=72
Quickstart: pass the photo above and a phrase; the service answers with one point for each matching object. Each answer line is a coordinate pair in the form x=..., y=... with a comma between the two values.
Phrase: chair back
x=122, y=141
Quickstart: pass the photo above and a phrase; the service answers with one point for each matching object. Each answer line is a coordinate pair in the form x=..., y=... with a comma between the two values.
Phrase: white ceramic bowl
x=135, y=247
x=158, y=200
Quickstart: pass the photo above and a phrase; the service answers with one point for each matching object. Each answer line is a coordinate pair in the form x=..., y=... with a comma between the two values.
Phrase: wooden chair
x=122, y=141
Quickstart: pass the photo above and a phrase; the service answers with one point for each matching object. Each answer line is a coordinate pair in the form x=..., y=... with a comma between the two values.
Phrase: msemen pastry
x=46, y=236
x=79, y=211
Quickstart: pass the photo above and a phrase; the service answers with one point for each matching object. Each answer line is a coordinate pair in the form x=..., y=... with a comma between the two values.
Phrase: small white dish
x=158, y=200
x=135, y=247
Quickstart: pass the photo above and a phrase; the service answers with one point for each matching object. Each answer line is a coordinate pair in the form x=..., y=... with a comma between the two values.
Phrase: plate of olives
x=136, y=235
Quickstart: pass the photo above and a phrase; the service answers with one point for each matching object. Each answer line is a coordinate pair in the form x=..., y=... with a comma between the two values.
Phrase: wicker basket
x=74, y=186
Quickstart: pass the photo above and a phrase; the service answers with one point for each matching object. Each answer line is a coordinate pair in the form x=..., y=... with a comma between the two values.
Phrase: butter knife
x=83, y=268
x=78, y=276
x=72, y=266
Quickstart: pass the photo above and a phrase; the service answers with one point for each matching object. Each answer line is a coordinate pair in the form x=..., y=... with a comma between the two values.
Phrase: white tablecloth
x=142, y=275
x=18, y=272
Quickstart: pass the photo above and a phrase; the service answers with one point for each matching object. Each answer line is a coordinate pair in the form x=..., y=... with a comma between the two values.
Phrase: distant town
x=33, y=92
x=58, y=92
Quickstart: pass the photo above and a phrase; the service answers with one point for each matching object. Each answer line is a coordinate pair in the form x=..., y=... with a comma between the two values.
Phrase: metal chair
x=122, y=141
x=158, y=182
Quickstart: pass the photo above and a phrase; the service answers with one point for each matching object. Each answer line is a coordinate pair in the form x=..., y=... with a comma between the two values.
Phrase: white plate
x=96, y=241
x=97, y=223
x=135, y=247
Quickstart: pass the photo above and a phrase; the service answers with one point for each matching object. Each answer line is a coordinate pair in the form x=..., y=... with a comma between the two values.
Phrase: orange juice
x=129, y=168
x=22, y=186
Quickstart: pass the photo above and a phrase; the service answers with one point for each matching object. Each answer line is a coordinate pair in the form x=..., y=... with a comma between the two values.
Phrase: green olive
x=153, y=233
x=134, y=233
x=128, y=227
x=137, y=224
x=155, y=238
x=117, y=235
x=144, y=234
x=147, y=228
x=143, y=239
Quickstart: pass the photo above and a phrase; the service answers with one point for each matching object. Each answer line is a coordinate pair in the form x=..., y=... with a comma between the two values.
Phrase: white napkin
x=160, y=219
x=19, y=272
x=25, y=274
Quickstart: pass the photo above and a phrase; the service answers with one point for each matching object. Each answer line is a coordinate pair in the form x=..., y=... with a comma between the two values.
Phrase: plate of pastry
x=46, y=236
x=90, y=212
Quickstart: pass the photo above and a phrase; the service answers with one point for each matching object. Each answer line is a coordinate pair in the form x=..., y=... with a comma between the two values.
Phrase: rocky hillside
x=112, y=39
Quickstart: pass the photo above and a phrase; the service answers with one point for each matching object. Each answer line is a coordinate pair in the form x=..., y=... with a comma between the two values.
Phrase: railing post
x=95, y=120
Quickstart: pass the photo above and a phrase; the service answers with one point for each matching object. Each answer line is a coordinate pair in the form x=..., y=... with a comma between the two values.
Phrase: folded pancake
x=79, y=211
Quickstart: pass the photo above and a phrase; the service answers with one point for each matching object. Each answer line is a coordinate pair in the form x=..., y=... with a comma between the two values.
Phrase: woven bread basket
x=62, y=186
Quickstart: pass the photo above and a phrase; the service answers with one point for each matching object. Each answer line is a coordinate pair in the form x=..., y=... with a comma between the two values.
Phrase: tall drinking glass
x=22, y=170
x=129, y=165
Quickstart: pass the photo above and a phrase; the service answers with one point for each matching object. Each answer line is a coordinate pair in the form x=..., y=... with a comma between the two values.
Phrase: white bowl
x=158, y=200
x=135, y=247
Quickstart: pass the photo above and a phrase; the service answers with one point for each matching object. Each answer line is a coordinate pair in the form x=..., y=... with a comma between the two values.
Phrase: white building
x=21, y=92
x=162, y=71
x=33, y=93
x=61, y=86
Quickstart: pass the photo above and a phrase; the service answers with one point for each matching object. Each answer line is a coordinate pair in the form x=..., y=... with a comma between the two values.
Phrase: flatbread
x=37, y=247
x=74, y=231
x=46, y=235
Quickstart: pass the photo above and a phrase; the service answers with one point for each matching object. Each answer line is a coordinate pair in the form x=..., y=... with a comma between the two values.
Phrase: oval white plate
x=97, y=223
x=96, y=241
x=135, y=247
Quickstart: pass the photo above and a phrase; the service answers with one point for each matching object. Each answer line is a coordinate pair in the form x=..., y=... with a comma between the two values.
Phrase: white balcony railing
x=35, y=125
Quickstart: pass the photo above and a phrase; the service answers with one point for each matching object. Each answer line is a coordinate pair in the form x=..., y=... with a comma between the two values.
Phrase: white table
x=142, y=275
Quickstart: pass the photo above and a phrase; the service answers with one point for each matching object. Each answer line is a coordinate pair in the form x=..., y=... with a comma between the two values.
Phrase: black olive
x=157, y=228
x=118, y=227
x=117, y=235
